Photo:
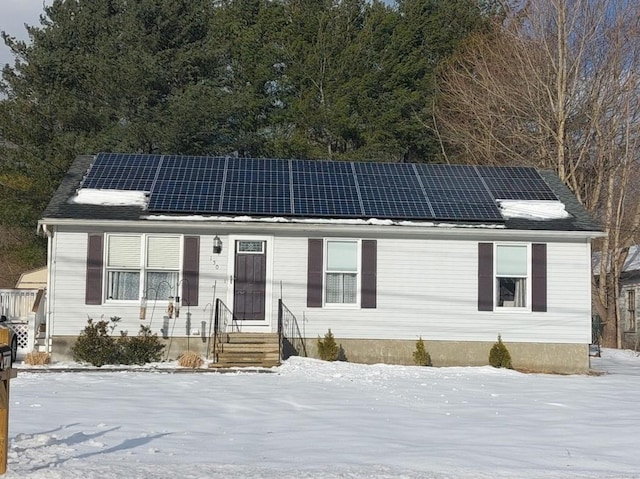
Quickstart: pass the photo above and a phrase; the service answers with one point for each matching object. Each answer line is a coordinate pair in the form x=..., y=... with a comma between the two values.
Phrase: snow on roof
x=533, y=210
x=88, y=196
x=335, y=221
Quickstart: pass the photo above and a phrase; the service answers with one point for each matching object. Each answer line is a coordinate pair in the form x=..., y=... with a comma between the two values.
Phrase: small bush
x=191, y=360
x=98, y=347
x=420, y=356
x=95, y=345
x=328, y=349
x=141, y=349
x=37, y=358
x=499, y=356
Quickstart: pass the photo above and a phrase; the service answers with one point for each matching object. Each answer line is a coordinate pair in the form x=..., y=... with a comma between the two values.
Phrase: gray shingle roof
x=60, y=208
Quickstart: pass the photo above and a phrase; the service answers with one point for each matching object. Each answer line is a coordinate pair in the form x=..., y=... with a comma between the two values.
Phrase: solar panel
x=515, y=183
x=324, y=188
x=188, y=184
x=391, y=191
x=257, y=186
x=117, y=171
x=331, y=189
x=457, y=193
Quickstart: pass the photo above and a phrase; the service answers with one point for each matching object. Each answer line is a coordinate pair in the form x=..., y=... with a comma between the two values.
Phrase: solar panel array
x=307, y=188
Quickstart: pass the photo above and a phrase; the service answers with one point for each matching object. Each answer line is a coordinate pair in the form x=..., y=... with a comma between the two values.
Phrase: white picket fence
x=25, y=312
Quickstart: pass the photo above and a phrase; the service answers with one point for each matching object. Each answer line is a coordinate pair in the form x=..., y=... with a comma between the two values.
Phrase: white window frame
x=326, y=271
x=631, y=322
x=496, y=276
x=142, y=269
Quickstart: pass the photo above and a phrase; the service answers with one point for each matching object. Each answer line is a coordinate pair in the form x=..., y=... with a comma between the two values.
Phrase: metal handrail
x=291, y=340
x=223, y=317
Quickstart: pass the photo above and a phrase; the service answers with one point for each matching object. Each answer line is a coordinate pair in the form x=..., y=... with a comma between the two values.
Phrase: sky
x=13, y=15
x=315, y=419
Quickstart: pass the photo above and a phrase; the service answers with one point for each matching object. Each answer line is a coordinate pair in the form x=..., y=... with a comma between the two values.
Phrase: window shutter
x=123, y=252
x=539, y=277
x=369, y=273
x=93, y=292
x=485, y=276
x=190, y=271
x=314, y=274
x=163, y=252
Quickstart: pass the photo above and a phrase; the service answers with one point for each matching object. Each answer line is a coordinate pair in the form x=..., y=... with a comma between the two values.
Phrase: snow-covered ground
x=313, y=419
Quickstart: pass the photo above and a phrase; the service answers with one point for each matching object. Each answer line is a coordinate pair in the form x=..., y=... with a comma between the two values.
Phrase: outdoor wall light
x=217, y=245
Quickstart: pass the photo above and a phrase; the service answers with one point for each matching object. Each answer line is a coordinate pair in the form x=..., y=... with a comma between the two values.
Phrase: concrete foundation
x=535, y=357
x=538, y=357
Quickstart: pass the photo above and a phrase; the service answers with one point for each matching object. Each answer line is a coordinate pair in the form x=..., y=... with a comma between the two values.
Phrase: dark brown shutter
x=369, y=273
x=485, y=276
x=93, y=292
x=190, y=271
x=314, y=274
x=539, y=277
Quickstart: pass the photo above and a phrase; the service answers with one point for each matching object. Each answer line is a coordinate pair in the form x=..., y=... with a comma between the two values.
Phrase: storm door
x=250, y=280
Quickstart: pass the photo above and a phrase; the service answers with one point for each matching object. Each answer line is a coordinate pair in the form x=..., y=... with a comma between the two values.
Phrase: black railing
x=291, y=340
x=223, y=321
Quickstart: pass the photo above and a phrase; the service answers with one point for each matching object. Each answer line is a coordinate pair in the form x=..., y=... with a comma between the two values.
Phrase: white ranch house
x=167, y=241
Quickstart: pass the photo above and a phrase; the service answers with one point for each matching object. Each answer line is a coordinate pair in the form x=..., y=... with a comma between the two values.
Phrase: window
x=512, y=273
x=341, y=272
x=136, y=264
x=631, y=310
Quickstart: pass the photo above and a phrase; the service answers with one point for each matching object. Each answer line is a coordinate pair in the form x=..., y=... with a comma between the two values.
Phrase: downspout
x=48, y=321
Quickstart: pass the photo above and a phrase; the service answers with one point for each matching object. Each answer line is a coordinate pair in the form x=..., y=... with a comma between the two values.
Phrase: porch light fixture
x=217, y=245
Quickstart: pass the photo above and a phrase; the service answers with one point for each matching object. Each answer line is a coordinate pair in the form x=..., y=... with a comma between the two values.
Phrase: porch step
x=248, y=350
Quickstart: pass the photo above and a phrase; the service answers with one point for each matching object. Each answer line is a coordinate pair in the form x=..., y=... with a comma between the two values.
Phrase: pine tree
x=328, y=349
x=499, y=356
x=420, y=356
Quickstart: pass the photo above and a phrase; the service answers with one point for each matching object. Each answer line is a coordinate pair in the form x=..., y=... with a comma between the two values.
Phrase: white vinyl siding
x=425, y=287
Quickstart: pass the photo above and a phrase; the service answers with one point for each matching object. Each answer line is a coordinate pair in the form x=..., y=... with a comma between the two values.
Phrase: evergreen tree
x=420, y=356
x=327, y=348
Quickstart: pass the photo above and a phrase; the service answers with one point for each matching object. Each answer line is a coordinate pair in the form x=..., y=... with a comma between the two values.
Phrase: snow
x=89, y=196
x=533, y=210
x=314, y=419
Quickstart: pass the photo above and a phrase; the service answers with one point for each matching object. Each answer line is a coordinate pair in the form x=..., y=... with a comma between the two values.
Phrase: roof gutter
x=268, y=227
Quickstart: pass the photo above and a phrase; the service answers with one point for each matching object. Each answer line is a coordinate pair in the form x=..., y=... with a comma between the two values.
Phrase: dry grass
x=190, y=360
x=37, y=358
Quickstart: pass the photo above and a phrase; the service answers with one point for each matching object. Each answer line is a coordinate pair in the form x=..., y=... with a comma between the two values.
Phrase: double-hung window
x=512, y=276
x=631, y=310
x=138, y=265
x=341, y=272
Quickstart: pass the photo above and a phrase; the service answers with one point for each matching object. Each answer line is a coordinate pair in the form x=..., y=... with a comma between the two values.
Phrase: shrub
x=98, y=347
x=141, y=349
x=95, y=345
x=420, y=356
x=328, y=349
x=499, y=356
x=191, y=360
x=37, y=358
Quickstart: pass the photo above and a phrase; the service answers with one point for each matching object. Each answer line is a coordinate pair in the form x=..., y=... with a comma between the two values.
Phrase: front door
x=250, y=280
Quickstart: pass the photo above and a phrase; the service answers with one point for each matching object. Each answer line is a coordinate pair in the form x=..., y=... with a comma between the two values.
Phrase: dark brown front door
x=250, y=280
